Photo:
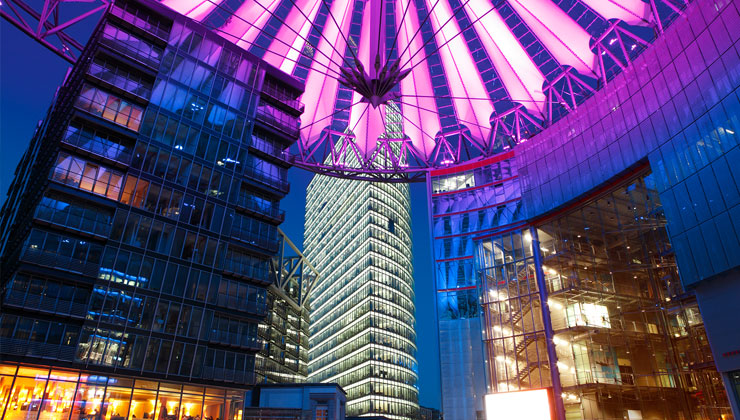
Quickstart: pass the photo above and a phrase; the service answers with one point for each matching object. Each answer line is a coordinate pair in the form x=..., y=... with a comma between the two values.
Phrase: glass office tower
x=283, y=357
x=358, y=236
x=138, y=231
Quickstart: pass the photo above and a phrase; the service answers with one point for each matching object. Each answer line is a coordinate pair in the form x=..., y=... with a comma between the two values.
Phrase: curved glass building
x=358, y=236
x=600, y=257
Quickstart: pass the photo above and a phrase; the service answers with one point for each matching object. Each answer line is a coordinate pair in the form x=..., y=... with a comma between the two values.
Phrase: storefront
x=32, y=393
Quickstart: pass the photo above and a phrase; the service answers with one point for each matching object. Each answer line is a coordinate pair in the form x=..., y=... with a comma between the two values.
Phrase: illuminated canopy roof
x=397, y=86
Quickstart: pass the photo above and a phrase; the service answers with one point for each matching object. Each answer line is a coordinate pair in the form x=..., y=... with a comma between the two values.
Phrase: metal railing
x=249, y=203
x=45, y=304
x=269, y=147
x=99, y=146
x=37, y=349
x=61, y=262
x=266, y=178
x=136, y=54
x=84, y=223
x=265, y=117
x=120, y=79
x=275, y=93
x=149, y=27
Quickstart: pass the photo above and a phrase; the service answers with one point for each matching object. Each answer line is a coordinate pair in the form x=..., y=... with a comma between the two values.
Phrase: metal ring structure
x=396, y=87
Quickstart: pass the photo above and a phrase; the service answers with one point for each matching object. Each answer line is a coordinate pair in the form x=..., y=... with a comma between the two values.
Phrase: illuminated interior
x=626, y=337
x=44, y=394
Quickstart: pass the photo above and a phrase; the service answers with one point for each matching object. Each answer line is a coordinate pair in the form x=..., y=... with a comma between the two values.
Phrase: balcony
x=267, y=179
x=148, y=58
x=251, y=238
x=245, y=269
x=251, y=206
x=151, y=28
x=272, y=91
x=99, y=146
x=88, y=221
x=60, y=262
x=234, y=340
x=269, y=148
x=241, y=305
x=38, y=349
x=290, y=128
x=45, y=304
x=121, y=79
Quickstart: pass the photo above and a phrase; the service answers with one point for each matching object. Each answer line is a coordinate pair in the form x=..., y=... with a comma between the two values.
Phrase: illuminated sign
x=530, y=405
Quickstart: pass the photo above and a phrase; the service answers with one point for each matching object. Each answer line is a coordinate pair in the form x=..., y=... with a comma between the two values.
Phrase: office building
x=138, y=232
x=284, y=332
x=358, y=236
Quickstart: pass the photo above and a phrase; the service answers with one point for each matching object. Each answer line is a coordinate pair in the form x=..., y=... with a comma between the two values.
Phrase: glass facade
x=29, y=392
x=464, y=203
x=358, y=236
x=141, y=245
x=283, y=357
x=589, y=302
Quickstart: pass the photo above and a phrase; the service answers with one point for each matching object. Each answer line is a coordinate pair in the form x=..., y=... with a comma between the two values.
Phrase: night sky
x=29, y=76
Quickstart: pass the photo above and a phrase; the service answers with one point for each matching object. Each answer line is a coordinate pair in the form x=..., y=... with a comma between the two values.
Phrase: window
x=322, y=412
x=110, y=107
x=133, y=46
x=98, y=142
x=62, y=210
x=79, y=173
x=101, y=346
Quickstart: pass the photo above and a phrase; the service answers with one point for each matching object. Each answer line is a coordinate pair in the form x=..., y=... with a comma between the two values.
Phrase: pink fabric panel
x=321, y=90
x=462, y=74
x=254, y=17
x=564, y=38
x=203, y=10
x=235, y=27
x=184, y=6
x=521, y=77
x=634, y=12
x=259, y=19
x=194, y=9
x=366, y=122
x=293, y=33
x=421, y=123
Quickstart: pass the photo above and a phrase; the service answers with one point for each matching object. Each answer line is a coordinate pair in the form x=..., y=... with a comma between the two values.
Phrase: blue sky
x=29, y=76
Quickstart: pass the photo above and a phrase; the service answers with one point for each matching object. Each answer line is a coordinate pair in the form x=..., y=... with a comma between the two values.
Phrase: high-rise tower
x=138, y=232
x=358, y=235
